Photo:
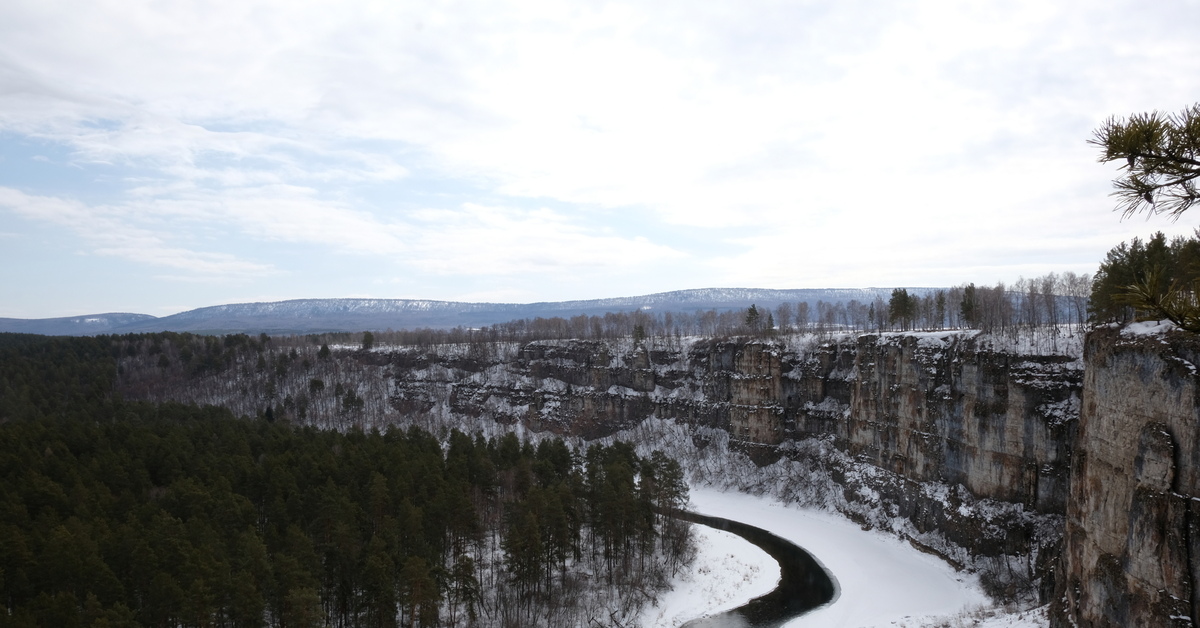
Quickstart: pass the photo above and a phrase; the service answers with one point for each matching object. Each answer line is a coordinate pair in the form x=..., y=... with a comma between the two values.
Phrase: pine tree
x=753, y=318
x=1162, y=160
x=969, y=307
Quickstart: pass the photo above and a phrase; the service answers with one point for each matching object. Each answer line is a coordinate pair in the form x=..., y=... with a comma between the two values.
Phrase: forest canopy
x=1153, y=279
x=117, y=513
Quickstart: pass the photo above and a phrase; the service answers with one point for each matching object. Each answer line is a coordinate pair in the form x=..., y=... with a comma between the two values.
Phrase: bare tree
x=1077, y=289
x=802, y=316
x=783, y=316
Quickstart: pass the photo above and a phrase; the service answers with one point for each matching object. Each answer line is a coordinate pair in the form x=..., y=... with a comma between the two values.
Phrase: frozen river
x=802, y=585
x=880, y=580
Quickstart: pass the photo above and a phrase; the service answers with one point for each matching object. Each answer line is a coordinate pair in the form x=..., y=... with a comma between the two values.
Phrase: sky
x=161, y=156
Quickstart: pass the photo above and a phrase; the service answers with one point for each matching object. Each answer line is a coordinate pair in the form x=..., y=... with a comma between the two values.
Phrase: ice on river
x=881, y=580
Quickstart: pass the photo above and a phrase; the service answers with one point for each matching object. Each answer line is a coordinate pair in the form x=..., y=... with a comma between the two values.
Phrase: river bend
x=803, y=583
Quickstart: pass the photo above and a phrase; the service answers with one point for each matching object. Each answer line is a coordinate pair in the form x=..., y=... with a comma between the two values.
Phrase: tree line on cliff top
x=1160, y=162
x=1048, y=301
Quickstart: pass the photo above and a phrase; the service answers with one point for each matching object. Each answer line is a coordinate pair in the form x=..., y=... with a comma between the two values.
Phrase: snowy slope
x=728, y=572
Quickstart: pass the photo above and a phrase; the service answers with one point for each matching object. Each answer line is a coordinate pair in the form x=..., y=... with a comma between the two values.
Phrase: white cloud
x=484, y=240
x=110, y=236
x=277, y=213
x=870, y=140
x=472, y=240
x=677, y=111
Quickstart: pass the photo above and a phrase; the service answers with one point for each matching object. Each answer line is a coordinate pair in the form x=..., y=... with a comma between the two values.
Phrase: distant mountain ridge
x=89, y=325
x=300, y=316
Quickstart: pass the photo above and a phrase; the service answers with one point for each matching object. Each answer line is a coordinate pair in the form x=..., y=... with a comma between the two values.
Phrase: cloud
x=856, y=141
x=488, y=240
x=108, y=235
x=710, y=115
x=472, y=240
x=278, y=213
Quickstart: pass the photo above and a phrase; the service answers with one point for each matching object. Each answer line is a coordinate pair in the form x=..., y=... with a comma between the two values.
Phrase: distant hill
x=90, y=325
x=302, y=316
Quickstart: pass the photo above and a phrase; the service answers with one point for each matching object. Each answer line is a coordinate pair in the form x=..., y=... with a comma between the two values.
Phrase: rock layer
x=928, y=408
x=1131, y=553
x=977, y=453
x=948, y=418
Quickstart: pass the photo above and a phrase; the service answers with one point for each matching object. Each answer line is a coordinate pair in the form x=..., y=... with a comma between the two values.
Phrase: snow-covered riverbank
x=881, y=580
x=728, y=572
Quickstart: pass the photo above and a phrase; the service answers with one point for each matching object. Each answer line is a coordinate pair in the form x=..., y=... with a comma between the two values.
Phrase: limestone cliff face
x=1131, y=553
x=932, y=408
x=961, y=447
x=1112, y=442
x=977, y=453
x=968, y=445
x=943, y=409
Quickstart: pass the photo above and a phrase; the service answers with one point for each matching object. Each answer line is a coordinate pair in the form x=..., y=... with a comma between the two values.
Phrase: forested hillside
x=123, y=514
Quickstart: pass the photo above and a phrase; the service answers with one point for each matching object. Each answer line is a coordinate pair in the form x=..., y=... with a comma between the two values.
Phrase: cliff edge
x=1131, y=554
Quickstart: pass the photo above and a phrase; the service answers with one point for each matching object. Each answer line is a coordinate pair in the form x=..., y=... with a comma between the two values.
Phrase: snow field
x=728, y=572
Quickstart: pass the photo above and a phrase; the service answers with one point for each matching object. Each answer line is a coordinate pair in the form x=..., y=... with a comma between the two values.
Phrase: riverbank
x=728, y=572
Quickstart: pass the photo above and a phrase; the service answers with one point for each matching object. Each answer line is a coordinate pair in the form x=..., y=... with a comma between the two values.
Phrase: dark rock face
x=938, y=409
x=1131, y=553
x=999, y=424
x=928, y=409
x=1085, y=474
x=962, y=448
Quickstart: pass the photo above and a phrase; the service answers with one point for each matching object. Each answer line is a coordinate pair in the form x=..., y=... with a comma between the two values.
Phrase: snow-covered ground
x=728, y=572
x=881, y=580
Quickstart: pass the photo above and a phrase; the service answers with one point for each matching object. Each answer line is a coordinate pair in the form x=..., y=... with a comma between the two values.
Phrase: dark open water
x=803, y=583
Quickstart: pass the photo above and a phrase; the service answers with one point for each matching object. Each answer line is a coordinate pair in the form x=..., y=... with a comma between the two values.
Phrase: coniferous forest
x=116, y=513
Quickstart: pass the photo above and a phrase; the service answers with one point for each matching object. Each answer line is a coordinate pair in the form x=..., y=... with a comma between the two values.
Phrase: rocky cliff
x=949, y=408
x=958, y=441
x=967, y=442
x=970, y=446
x=1131, y=552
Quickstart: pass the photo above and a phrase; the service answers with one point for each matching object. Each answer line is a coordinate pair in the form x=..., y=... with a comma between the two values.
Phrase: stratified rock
x=1131, y=553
